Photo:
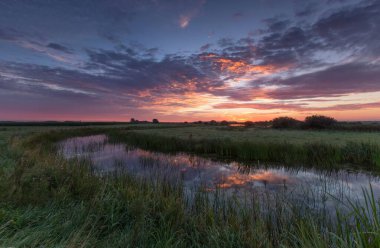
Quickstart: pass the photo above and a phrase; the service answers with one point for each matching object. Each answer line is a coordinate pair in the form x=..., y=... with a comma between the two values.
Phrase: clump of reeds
x=51, y=202
x=310, y=154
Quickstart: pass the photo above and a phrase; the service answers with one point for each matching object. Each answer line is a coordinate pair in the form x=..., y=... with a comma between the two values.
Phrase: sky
x=189, y=60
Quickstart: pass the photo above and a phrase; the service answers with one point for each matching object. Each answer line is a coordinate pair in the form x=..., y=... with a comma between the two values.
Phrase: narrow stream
x=315, y=189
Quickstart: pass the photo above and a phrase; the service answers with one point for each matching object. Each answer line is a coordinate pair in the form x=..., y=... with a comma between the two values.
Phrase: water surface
x=308, y=186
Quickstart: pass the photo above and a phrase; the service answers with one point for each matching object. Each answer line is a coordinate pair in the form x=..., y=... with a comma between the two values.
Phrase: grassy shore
x=266, y=135
x=47, y=201
x=309, y=148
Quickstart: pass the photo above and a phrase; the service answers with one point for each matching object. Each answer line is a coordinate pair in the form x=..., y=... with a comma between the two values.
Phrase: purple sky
x=189, y=60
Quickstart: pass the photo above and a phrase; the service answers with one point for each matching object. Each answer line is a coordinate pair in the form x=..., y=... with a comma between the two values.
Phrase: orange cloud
x=234, y=66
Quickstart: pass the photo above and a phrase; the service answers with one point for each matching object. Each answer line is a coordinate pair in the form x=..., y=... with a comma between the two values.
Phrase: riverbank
x=308, y=148
x=40, y=190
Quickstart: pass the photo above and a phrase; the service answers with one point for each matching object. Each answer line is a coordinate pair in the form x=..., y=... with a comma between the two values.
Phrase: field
x=267, y=135
x=47, y=201
x=309, y=148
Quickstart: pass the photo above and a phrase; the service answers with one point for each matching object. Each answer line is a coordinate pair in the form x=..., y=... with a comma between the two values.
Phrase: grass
x=47, y=201
x=262, y=135
x=318, y=149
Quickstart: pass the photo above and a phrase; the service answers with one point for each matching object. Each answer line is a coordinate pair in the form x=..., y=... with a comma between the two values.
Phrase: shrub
x=319, y=121
x=248, y=123
x=155, y=121
x=285, y=122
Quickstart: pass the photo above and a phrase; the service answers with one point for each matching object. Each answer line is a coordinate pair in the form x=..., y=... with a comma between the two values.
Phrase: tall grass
x=309, y=154
x=47, y=201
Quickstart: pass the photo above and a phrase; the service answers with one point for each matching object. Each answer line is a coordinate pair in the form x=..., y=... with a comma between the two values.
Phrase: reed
x=47, y=201
x=317, y=154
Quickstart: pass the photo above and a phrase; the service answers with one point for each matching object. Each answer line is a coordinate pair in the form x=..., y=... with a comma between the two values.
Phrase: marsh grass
x=47, y=201
x=317, y=154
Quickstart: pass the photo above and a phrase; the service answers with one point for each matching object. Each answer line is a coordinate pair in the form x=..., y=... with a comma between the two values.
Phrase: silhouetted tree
x=319, y=121
x=285, y=122
x=155, y=121
x=248, y=123
x=224, y=123
x=213, y=122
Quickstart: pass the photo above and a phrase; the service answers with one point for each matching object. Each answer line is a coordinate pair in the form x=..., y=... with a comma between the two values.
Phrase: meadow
x=323, y=148
x=48, y=201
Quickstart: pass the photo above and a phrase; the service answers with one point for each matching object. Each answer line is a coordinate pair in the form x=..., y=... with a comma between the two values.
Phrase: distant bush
x=248, y=123
x=155, y=121
x=224, y=123
x=213, y=122
x=319, y=122
x=285, y=122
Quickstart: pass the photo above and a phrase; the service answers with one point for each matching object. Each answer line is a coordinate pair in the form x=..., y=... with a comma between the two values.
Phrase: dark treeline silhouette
x=313, y=122
x=310, y=122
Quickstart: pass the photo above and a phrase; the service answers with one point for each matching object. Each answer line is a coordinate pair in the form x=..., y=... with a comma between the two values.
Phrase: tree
x=319, y=121
x=285, y=122
x=213, y=122
x=248, y=123
x=224, y=123
x=155, y=121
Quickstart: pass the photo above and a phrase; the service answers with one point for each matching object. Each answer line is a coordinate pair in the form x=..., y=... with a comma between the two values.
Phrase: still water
x=310, y=187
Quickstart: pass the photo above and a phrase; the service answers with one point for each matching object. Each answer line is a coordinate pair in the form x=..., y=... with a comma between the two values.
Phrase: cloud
x=299, y=107
x=276, y=24
x=59, y=47
x=238, y=15
x=335, y=54
x=334, y=81
x=261, y=106
x=8, y=34
x=186, y=17
x=184, y=20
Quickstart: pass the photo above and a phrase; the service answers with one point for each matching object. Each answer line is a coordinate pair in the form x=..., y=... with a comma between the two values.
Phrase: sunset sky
x=189, y=60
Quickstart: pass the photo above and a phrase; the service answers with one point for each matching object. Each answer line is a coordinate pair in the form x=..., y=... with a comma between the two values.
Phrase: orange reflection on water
x=238, y=179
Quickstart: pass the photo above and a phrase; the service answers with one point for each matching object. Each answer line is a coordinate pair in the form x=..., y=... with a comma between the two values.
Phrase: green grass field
x=318, y=149
x=47, y=201
x=267, y=135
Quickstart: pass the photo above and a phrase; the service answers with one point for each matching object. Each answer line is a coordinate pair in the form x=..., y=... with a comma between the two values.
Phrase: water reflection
x=316, y=188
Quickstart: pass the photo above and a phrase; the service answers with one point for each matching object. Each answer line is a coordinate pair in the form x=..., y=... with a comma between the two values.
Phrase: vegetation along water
x=184, y=185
